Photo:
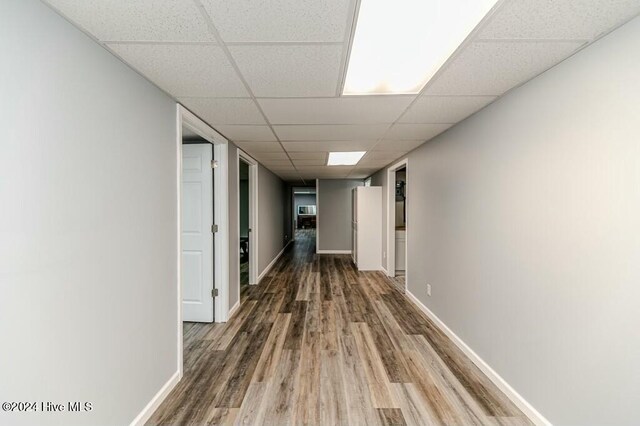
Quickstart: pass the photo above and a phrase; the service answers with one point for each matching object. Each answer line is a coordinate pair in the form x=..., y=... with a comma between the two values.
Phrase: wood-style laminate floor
x=319, y=343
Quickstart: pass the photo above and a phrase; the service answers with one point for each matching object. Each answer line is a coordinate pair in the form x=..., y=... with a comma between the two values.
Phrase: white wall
x=88, y=224
x=334, y=213
x=525, y=219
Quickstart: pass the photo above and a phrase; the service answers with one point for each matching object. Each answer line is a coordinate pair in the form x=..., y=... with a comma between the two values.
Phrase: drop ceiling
x=268, y=74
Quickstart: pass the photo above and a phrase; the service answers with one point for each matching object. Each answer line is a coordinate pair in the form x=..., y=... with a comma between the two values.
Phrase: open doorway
x=303, y=216
x=203, y=226
x=397, y=224
x=203, y=234
x=243, y=194
x=247, y=222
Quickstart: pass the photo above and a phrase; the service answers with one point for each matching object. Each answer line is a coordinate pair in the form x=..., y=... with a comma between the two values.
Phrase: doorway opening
x=243, y=194
x=203, y=225
x=397, y=223
x=304, y=214
x=247, y=222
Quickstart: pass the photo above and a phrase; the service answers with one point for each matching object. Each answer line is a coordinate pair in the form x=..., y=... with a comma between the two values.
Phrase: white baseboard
x=234, y=309
x=333, y=251
x=273, y=262
x=155, y=402
x=383, y=269
x=511, y=393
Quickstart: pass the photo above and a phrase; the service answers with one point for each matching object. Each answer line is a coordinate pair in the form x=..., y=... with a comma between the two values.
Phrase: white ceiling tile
x=276, y=163
x=553, y=19
x=327, y=132
x=344, y=110
x=492, y=68
x=283, y=70
x=281, y=155
x=308, y=155
x=397, y=145
x=334, y=172
x=415, y=131
x=318, y=162
x=383, y=155
x=324, y=169
x=444, y=109
x=280, y=20
x=246, y=133
x=184, y=70
x=338, y=146
x=376, y=164
x=285, y=168
x=281, y=167
x=260, y=146
x=225, y=110
x=140, y=20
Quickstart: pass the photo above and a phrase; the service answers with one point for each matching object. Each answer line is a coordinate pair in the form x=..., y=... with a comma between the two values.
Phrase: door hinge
x=214, y=228
x=214, y=164
x=214, y=292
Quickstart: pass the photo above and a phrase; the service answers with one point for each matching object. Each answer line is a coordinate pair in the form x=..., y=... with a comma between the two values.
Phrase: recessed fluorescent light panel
x=344, y=158
x=399, y=45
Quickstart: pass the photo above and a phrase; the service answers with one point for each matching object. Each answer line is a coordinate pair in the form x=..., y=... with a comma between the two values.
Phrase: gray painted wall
x=234, y=216
x=525, y=219
x=244, y=205
x=88, y=224
x=272, y=231
x=335, y=213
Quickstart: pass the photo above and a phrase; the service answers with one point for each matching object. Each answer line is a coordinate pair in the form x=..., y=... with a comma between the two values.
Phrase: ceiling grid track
x=350, y=30
x=298, y=55
x=227, y=53
x=468, y=40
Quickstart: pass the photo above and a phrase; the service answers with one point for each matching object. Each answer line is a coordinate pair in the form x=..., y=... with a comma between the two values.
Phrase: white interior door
x=197, y=235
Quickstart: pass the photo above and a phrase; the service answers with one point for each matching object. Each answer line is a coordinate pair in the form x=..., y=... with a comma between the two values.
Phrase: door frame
x=317, y=216
x=294, y=213
x=220, y=215
x=294, y=224
x=391, y=221
x=253, y=217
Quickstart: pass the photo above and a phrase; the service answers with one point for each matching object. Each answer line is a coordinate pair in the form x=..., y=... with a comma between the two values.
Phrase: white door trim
x=294, y=215
x=391, y=221
x=220, y=214
x=221, y=242
x=317, y=216
x=253, y=216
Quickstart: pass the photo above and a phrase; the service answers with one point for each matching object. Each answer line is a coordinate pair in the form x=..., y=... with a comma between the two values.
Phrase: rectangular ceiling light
x=344, y=158
x=399, y=45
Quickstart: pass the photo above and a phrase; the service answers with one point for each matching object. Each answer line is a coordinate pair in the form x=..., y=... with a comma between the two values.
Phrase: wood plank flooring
x=319, y=343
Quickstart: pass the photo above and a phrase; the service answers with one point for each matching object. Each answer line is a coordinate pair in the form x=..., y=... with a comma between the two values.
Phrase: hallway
x=319, y=343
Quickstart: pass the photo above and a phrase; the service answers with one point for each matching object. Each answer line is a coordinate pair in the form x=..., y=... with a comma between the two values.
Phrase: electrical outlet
x=428, y=289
